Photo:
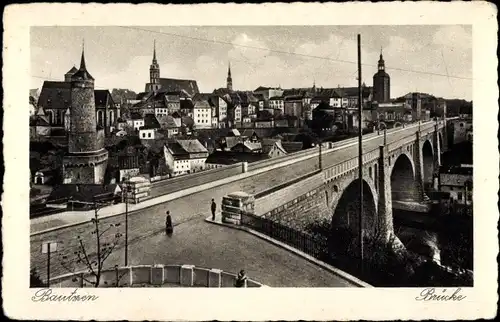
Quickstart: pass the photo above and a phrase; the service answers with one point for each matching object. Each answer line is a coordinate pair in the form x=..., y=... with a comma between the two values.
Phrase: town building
x=39, y=125
x=381, y=83
x=458, y=183
x=150, y=128
x=461, y=129
x=170, y=125
x=202, y=113
x=55, y=98
x=247, y=147
x=219, y=159
x=392, y=114
x=219, y=110
x=136, y=121
x=157, y=83
x=185, y=156
x=273, y=148
x=269, y=92
x=86, y=160
x=293, y=106
x=277, y=102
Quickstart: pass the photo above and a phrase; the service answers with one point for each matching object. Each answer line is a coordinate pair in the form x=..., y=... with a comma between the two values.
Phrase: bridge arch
x=427, y=162
x=403, y=183
x=397, y=124
x=345, y=218
x=382, y=126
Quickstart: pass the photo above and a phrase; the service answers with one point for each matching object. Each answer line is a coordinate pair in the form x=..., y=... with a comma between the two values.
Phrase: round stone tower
x=86, y=160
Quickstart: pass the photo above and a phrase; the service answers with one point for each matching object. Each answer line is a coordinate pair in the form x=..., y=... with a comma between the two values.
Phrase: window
x=143, y=135
x=149, y=135
x=459, y=196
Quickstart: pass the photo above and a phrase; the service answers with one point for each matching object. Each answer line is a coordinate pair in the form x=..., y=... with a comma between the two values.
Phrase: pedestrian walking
x=240, y=279
x=169, y=228
x=213, y=208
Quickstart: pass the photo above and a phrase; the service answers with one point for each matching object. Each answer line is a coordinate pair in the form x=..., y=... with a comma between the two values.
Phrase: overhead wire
x=292, y=53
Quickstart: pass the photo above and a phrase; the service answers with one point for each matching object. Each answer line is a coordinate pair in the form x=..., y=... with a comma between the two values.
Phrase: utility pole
x=360, y=156
x=126, y=223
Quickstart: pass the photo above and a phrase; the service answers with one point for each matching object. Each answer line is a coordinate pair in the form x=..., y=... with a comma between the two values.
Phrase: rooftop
x=192, y=146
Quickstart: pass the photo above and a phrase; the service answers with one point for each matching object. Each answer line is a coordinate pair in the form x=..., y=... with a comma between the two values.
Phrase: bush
x=35, y=280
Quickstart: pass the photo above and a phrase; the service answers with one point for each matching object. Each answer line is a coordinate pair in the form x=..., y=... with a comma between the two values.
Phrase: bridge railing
x=304, y=242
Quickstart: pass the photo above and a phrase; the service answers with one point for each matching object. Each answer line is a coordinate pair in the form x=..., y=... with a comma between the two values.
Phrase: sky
x=430, y=59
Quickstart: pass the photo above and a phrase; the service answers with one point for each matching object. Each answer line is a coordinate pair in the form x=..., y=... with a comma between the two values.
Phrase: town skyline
x=430, y=59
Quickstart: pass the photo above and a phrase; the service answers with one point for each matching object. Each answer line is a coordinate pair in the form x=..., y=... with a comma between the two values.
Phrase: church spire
x=82, y=62
x=229, y=78
x=154, y=51
x=381, y=63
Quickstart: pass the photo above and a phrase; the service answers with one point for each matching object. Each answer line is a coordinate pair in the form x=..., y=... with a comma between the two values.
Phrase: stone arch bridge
x=397, y=167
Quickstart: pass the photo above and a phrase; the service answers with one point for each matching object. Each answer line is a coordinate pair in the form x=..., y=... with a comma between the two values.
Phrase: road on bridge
x=212, y=246
x=198, y=204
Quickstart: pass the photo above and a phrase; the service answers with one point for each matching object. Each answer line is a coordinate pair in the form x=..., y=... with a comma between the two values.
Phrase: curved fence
x=153, y=276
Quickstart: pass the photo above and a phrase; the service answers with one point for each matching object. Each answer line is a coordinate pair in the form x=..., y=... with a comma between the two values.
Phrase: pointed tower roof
x=154, y=51
x=381, y=60
x=229, y=70
x=82, y=73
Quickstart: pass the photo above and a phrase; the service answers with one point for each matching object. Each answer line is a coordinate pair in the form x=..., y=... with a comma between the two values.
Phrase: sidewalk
x=349, y=278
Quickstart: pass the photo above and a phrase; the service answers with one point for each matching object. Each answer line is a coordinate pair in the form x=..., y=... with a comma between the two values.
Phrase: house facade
x=185, y=156
x=202, y=114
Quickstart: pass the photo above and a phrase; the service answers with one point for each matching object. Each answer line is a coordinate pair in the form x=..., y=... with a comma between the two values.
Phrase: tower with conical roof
x=86, y=160
x=381, y=83
x=154, y=72
x=229, y=80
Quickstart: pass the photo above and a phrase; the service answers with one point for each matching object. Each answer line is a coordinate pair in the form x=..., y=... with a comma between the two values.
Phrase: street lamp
x=125, y=191
x=49, y=247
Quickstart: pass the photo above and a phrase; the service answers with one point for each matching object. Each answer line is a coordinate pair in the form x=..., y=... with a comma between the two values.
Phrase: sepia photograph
x=252, y=156
x=228, y=151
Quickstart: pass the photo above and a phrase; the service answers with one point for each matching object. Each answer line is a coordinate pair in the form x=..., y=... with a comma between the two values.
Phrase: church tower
x=154, y=73
x=86, y=160
x=381, y=83
x=229, y=79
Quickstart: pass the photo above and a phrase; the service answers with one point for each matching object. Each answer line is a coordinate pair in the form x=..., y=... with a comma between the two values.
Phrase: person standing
x=213, y=208
x=241, y=279
x=169, y=228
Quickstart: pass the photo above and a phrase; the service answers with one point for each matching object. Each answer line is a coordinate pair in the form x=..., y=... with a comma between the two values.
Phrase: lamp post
x=125, y=191
x=48, y=248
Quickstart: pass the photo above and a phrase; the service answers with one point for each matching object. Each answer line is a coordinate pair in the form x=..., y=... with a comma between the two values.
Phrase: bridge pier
x=437, y=147
x=384, y=220
x=419, y=168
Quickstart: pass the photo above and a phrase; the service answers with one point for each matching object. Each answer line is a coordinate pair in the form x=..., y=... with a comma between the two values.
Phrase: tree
x=93, y=258
x=35, y=280
x=121, y=95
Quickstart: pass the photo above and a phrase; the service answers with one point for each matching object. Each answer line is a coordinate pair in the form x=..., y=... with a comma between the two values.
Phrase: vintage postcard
x=320, y=156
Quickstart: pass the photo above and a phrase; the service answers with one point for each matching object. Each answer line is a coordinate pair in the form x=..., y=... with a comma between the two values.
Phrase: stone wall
x=304, y=210
x=154, y=275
